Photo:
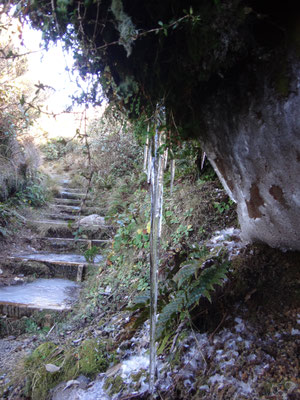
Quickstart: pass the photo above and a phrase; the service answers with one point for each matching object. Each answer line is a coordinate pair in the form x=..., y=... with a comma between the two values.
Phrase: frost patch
x=230, y=238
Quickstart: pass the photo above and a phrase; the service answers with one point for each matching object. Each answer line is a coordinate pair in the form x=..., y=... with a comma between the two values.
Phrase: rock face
x=252, y=138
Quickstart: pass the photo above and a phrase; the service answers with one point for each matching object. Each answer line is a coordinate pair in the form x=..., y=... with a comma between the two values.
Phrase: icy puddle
x=57, y=257
x=53, y=294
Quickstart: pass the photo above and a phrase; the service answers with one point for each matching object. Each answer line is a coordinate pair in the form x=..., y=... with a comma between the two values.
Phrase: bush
x=55, y=149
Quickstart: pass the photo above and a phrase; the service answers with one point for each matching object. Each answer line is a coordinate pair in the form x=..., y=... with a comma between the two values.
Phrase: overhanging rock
x=252, y=138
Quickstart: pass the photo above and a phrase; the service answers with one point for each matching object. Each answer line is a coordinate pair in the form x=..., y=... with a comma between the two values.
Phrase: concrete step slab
x=67, y=209
x=71, y=202
x=56, y=258
x=55, y=244
x=72, y=190
x=47, y=265
x=64, y=229
x=69, y=244
x=61, y=217
x=39, y=295
x=66, y=194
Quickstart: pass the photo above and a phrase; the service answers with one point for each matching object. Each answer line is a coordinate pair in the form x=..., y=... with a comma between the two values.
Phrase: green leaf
x=185, y=272
x=163, y=344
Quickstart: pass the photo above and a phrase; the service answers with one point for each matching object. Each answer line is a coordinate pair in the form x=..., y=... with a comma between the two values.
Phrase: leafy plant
x=181, y=233
x=5, y=214
x=54, y=149
x=91, y=254
x=194, y=281
x=223, y=206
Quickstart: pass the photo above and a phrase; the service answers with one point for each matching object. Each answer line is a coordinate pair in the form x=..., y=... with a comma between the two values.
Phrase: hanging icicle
x=157, y=170
x=166, y=153
x=203, y=159
x=149, y=161
x=172, y=175
x=146, y=150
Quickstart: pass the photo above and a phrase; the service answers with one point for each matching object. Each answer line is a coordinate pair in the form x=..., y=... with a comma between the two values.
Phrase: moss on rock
x=90, y=358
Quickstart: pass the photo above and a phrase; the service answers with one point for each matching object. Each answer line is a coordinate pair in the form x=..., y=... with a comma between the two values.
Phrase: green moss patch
x=90, y=358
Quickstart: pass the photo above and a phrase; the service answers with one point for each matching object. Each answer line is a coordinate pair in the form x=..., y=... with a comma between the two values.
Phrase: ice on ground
x=42, y=293
x=230, y=238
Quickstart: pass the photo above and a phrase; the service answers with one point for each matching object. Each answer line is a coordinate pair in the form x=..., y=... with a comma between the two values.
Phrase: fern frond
x=187, y=297
x=140, y=301
x=210, y=277
x=174, y=307
x=185, y=272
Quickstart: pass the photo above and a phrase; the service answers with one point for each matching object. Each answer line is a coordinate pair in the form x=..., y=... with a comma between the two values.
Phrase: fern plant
x=194, y=281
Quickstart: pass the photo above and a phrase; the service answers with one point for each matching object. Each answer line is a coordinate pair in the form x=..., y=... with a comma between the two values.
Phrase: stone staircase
x=54, y=257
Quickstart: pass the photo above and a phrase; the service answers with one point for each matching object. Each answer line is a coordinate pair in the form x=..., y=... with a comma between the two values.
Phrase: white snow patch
x=240, y=326
x=134, y=364
x=243, y=388
x=295, y=332
x=230, y=238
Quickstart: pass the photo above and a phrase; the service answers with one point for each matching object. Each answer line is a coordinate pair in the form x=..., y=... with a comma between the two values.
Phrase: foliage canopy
x=173, y=52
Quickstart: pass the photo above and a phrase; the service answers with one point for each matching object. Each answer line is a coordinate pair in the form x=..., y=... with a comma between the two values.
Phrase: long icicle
x=172, y=175
x=155, y=234
x=149, y=161
x=146, y=150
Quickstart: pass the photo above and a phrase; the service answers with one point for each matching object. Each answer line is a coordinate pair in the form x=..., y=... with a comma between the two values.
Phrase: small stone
x=113, y=370
x=52, y=368
x=93, y=219
x=70, y=383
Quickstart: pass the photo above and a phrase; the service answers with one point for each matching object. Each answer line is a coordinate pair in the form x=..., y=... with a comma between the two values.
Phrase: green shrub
x=55, y=148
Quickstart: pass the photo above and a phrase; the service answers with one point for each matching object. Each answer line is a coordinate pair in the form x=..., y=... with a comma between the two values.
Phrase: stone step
x=19, y=310
x=61, y=216
x=63, y=229
x=72, y=190
x=69, y=244
x=71, y=202
x=48, y=265
x=40, y=295
x=47, y=244
x=66, y=208
x=76, y=209
x=67, y=194
x=71, y=259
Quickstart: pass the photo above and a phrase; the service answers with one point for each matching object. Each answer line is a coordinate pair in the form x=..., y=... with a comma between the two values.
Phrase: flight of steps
x=58, y=254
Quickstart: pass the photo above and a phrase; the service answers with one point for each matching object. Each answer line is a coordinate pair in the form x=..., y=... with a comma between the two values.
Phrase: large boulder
x=252, y=138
